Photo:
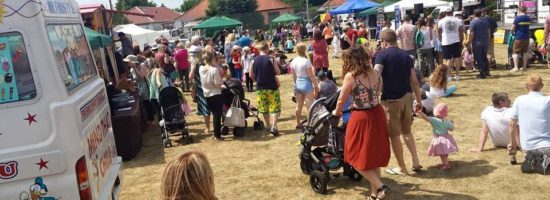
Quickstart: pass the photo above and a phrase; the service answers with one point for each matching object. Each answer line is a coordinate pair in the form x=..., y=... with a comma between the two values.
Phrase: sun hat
x=449, y=9
x=441, y=110
x=236, y=47
x=131, y=58
x=154, y=47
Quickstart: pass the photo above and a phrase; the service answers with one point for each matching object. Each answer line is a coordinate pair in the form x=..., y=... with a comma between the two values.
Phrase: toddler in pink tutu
x=443, y=142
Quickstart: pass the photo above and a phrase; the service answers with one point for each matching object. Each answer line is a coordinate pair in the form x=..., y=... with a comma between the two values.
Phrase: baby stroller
x=533, y=53
x=234, y=89
x=322, y=144
x=173, y=116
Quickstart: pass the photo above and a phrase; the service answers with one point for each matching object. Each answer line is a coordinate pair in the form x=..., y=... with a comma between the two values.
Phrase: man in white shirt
x=495, y=122
x=451, y=35
x=532, y=113
x=309, y=28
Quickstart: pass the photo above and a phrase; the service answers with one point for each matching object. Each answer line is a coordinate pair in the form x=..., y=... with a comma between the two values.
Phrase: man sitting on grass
x=495, y=122
x=532, y=113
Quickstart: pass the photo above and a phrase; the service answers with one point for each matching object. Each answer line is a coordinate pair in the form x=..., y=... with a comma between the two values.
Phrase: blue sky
x=168, y=3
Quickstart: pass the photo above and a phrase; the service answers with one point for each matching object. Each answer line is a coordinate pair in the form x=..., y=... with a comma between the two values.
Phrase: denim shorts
x=303, y=85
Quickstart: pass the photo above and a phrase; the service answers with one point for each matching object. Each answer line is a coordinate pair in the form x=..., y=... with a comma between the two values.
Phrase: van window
x=16, y=80
x=72, y=54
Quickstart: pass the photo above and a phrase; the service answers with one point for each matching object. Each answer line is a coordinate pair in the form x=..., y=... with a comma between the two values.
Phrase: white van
x=56, y=140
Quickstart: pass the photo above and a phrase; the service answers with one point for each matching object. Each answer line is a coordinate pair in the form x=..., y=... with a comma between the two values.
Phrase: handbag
x=235, y=115
x=536, y=162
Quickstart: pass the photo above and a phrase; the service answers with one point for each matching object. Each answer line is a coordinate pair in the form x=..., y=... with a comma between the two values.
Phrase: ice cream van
x=56, y=140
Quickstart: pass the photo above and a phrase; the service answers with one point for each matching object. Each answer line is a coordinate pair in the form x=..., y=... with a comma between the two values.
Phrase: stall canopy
x=138, y=34
x=97, y=40
x=217, y=23
x=353, y=6
x=286, y=18
x=409, y=4
x=372, y=11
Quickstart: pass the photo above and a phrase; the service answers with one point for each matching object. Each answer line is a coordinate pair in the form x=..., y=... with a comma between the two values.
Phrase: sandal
x=382, y=192
x=394, y=171
x=372, y=197
x=417, y=168
x=445, y=167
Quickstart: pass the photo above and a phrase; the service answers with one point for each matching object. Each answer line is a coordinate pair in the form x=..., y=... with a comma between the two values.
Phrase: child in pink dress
x=443, y=142
x=468, y=57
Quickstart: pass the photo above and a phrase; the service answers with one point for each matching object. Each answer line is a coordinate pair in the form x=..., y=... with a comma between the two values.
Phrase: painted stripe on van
x=89, y=108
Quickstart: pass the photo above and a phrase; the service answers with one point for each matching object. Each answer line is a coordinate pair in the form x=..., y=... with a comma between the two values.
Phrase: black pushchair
x=233, y=88
x=173, y=116
x=323, y=146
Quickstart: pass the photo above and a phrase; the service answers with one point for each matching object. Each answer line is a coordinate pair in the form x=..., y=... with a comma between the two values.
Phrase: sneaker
x=449, y=79
x=523, y=69
x=514, y=70
x=480, y=77
x=274, y=131
x=457, y=78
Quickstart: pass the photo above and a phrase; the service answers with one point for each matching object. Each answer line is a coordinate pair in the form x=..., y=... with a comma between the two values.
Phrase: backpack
x=418, y=39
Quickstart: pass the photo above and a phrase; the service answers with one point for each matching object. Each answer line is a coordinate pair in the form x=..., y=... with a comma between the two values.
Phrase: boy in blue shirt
x=520, y=30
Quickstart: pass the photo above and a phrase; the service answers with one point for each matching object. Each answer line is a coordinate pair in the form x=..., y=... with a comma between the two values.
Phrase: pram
x=234, y=89
x=322, y=143
x=536, y=55
x=173, y=116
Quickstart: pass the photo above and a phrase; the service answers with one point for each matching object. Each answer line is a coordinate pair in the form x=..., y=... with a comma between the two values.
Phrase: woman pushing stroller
x=367, y=145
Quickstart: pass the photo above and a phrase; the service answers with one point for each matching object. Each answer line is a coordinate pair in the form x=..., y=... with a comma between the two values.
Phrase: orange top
x=327, y=32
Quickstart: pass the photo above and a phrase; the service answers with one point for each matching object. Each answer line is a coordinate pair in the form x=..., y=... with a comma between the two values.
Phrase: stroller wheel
x=167, y=143
x=305, y=166
x=256, y=126
x=318, y=182
x=261, y=125
x=225, y=130
x=189, y=140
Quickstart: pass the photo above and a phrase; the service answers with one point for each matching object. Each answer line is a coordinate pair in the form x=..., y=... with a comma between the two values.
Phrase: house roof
x=91, y=7
x=160, y=14
x=263, y=5
x=333, y=3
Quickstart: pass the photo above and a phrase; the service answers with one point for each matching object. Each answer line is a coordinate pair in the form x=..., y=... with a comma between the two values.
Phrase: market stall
x=286, y=18
x=140, y=35
x=353, y=6
x=216, y=24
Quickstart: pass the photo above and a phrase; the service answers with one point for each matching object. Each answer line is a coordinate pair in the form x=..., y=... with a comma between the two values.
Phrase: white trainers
x=457, y=78
x=514, y=70
x=449, y=79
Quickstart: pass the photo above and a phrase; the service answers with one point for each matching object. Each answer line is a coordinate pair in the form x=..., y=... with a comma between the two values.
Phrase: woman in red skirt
x=367, y=147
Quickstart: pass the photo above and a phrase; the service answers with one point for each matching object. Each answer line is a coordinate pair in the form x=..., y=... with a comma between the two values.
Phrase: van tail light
x=83, y=179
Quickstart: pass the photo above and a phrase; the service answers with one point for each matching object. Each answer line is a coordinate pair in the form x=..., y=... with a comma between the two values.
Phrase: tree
x=242, y=10
x=162, y=5
x=187, y=4
x=127, y=4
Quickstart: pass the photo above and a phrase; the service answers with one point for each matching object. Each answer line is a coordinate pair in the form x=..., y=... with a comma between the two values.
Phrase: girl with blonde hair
x=188, y=177
x=438, y=82
x=305, y=83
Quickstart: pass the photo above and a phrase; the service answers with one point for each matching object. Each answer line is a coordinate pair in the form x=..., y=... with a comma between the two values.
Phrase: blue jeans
x=239, y=74
x=480, y=57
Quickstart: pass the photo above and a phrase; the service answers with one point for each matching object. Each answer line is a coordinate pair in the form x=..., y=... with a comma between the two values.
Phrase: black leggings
x=156, y=108
x=215, y=103
x=249, y=82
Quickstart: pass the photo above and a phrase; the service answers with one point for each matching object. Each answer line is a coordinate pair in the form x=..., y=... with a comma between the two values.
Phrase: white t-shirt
x=450, y=27
x=427, y=35
x=210, y=78
x=300, y=66
x=437, y=92
x=498, y=122
x=246, y=61
x=309, y=27
x=429, y=102
x=533, y=114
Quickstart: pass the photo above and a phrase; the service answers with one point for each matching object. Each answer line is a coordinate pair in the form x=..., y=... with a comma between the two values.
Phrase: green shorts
x=269, y=101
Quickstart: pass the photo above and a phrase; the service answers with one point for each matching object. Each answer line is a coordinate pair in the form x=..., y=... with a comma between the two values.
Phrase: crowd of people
x=409, y=68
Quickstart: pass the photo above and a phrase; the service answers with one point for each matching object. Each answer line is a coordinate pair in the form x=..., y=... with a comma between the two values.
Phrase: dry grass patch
x=260, y=166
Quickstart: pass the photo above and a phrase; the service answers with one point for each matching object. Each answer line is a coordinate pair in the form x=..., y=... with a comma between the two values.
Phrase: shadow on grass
x=152, y=150
x=460, y=169
x=398, y=190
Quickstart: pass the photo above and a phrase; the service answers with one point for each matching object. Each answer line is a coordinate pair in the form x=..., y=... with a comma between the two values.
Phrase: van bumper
x=113, y=185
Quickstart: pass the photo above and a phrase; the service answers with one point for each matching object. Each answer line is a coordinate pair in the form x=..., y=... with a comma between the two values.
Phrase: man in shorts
x=264, y=71
x=451, y=36
x=399, y=81
x=520, y=30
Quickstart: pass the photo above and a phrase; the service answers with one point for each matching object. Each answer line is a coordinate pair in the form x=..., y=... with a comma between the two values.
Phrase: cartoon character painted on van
x=39, y=190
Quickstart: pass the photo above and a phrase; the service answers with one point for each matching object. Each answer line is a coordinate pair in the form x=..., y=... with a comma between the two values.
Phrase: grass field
x=260, y=166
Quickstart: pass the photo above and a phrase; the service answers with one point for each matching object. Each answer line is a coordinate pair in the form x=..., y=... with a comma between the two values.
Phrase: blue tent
x=353, y=6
